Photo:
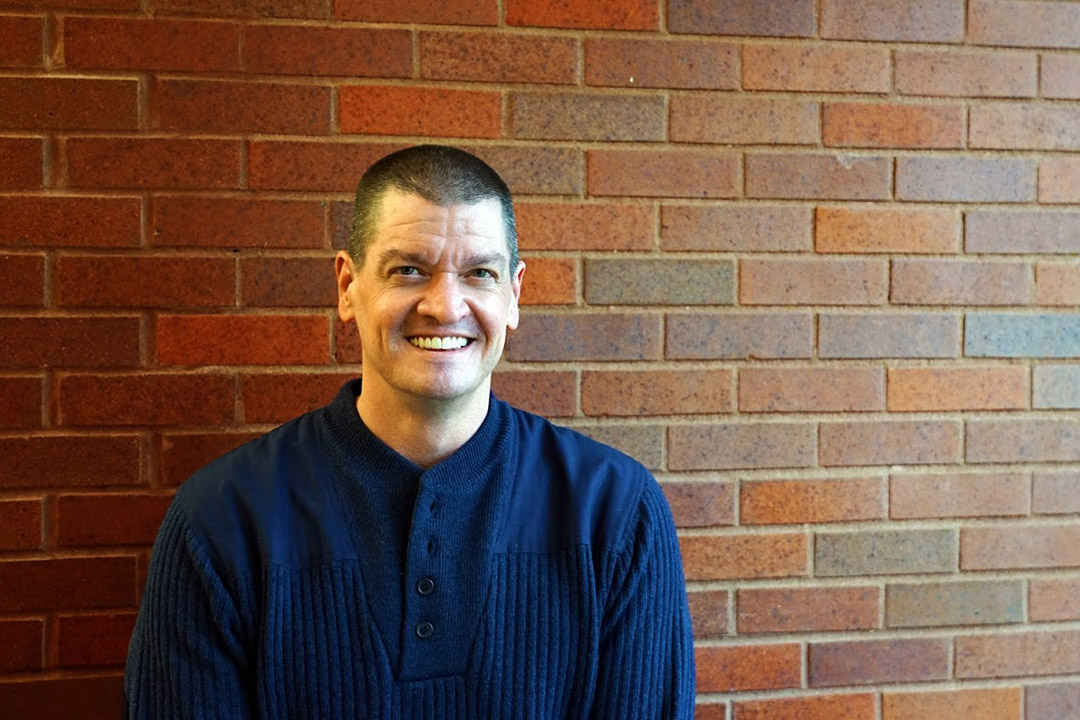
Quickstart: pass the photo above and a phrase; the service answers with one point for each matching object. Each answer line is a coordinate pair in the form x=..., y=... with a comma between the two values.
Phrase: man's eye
x=483, y=273
x=406, y=270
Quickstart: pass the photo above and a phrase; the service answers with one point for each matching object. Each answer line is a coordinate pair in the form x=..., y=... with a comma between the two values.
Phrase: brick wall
x=813, y=261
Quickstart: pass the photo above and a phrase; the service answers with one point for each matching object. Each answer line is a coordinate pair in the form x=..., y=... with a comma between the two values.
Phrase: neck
x=423, y=430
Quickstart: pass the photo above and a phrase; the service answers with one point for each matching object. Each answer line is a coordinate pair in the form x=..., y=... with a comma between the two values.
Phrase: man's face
x=433, y=298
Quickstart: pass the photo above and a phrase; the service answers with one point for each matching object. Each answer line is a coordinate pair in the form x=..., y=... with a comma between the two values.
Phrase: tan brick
x=894, y=335
x=815, y=281
x=811, y=389
x=551, y=394
x=748, y=667
x=966, y=74
x=499, y=58
x=954, y=603
x=712, y=228
x=893, y=125
x=1018, y=654
x=902, y=20
x=982, y=704
x=884, y=552
x=1053, y=599
x=1052, y=702
x=1055, y=492
x=813, y=67
x=1023, y=440
x=686, y=64
x=656, y=392
x=727, y=557
x=1022, y=231
x=664, y=173
x=958, y=495
x=741, y=120
x=875, y=662
x=585, y=226
x=551, y=281
x=889, y=442
x=747, y=335
x=959, y=282
x=1024, y=24
x=1057, y=283
x=728, y=446
x=825, y=177
x=1059, y=76
x=1059, y=180
x=1034, y=127
x=586, y=116
x=709, y=612
x=700, y=503
x=593, y=336
x=816, y=707
x=776, y=502
x=960, y=388
x=817, y=609
x=870, y=230
x=1007, y=547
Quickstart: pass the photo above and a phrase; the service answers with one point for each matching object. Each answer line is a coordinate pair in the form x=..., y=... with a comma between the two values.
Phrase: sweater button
x=426, y=586
x=424, y=630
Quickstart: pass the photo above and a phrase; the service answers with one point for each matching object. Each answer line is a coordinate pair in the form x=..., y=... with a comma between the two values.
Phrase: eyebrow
x=392, y=254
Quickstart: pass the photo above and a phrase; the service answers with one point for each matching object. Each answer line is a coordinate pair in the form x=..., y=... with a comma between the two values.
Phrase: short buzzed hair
x=442, y=175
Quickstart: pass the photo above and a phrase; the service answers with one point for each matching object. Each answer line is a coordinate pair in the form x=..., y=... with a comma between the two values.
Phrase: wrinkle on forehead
x=414, y=214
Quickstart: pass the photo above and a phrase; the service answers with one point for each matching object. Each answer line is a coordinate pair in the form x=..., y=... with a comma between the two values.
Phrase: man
x=417, y=548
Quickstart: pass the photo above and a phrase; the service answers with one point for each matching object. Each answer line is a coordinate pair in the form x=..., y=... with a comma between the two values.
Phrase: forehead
x=410, y=218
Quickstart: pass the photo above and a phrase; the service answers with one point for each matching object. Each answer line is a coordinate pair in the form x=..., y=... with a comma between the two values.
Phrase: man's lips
x=435, y=342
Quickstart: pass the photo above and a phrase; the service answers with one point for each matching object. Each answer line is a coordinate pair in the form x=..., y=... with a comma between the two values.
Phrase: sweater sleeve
x=646, y=667
x=185, y=659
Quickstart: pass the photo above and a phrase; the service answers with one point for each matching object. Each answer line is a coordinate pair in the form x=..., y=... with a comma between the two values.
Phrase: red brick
x=987, y=704
x=709, y=612
x=320, y=166
x=878, y=661
x=183, y=454
x=279, y=397
x=871, y=230
x=818, y=609
x=94, y=639
x=889, y=442
x=652, y=173
x=61, y=698
x=585, y=226
x=700, y=503
x=20, y=527
x=900, y=20
x=710, y=711
x=153, y=163
x=778, y=502
x=892, y=335
x=587, y=116
x=83, y=520
x=245, y=8
x=147, y=399
x=728, y=557
x=25, y=280
x=498, y=58
x=342, y=51
x=814, y=281
x=69, y=222
x=1024, y=24
x=732, y=446
x=597, y=15
x=959, y=282
x=439, y=112
x=243, y=339
x=535, y=170
x=288, y=282
x=748, y=667
x=965, y=179
x=645, y=443
x=744, y=120
x=815, y=68
x=1055, y=493
x=145, y=44
x=593, y=336
x=690, y=64
x=1018, y=654
x=20, y=163
x=893, y=125
x=22, y=401
x=144, y=281
x=78, y=4
x=1036, y=127
x=656, y=392
x=819, y=177
x=1053, y=599
x=551, y=281
x=1022, y=440
x=1059, y=180
x=22, y=41
x=445, y=12
x=226, y=222
x=67, y=584
x=346, y=342
x=1052, y=702
x=69, y=461
x=781, y=18
x=1058, y=76
x=817, y=707
x=958, y=495
x=938, y=604
x=761, y=228
x=23, y=644
x=551, y=394
x=966, y=74
x=241, y=107
x=1005, y=547
x=655, y=281
x=811, y=389
x=53, y=103
x=747, y=335
x=960, y=388
x=69, y=341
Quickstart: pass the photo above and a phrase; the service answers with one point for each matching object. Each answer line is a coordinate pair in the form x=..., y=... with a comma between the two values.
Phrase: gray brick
x=894, y=335
x=965, y=179
x=1022, y=231
x=550, y=337
x=645, y=443
x=757, y=335
x=727, y=446
x=1022, y=335
x=954, y=603
x=1022, y=440
x=889, y=552
x=623, y=281
x=1057, y=387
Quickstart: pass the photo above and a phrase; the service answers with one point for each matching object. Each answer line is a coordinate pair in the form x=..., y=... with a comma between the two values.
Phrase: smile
x=439, y=343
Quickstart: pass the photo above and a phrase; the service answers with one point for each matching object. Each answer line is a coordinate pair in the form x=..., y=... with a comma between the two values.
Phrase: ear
x=513, y=315
x=346, y=276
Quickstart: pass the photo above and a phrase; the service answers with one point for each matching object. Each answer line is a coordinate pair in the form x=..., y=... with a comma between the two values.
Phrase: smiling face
x=432, y=299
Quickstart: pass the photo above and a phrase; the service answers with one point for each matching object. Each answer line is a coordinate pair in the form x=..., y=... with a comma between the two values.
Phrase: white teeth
x=439, y=343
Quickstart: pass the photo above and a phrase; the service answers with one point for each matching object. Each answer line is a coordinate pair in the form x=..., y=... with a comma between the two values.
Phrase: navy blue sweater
x=317, y=573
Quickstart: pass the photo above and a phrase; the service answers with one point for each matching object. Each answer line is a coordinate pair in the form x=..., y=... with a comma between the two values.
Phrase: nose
x=443, y=300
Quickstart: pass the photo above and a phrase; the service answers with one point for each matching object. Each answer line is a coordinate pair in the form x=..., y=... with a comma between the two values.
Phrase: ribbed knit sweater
x=317, y=573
